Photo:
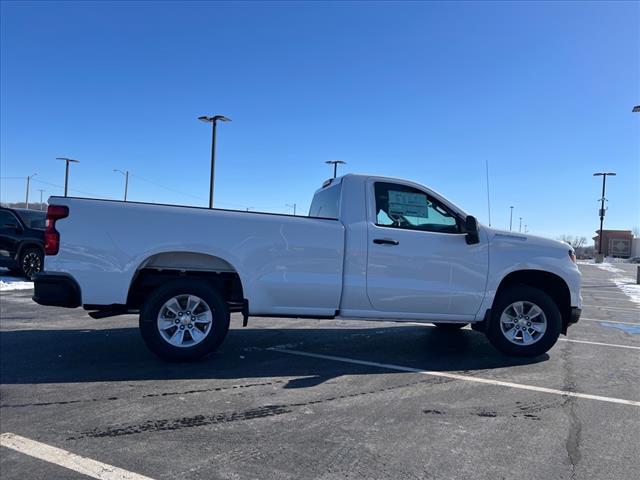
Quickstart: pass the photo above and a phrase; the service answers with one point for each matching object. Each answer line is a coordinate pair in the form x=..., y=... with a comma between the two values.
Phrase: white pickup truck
x=371, y=248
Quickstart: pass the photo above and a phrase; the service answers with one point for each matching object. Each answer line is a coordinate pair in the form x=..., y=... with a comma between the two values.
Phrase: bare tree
x=576, y=242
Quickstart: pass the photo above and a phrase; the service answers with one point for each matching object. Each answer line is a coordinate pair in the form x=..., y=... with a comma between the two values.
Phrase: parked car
x=371, y=248
x=22, y=240
x=634, y=260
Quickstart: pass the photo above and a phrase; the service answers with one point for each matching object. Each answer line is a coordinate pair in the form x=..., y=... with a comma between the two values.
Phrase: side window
x=326, y=203
x=7, y=218
x=401, y=206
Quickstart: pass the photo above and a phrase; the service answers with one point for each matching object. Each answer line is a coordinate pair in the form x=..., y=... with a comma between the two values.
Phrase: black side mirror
x=471, y=227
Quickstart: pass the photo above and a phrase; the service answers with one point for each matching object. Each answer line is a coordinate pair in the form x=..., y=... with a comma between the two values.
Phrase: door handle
x=385, y=241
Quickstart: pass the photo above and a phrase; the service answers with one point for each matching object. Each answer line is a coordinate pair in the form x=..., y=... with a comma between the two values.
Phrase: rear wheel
x=525, y=322
x=184, y=320
x=31, y=260
x=450, y=326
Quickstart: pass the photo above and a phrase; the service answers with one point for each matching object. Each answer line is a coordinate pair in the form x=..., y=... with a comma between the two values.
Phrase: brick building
x=615, y=243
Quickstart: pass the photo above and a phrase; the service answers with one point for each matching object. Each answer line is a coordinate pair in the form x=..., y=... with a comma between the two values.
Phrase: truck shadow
x=118, y=354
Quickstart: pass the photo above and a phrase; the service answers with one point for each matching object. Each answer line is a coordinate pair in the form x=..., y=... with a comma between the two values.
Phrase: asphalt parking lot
x=289, y=399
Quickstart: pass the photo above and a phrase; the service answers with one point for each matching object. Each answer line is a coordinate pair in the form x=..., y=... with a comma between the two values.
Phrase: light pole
x=213, y=121
x=511, y=218
x=41, y=190
x=335, y=164
x=66, y=171
x=526, y=230
x=520, y=227
x=126, y=181
x=291, y=205
x=602, y=200
x=26, y=201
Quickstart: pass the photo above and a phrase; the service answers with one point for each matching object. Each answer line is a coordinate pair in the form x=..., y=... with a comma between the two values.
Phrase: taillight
x=51, y=235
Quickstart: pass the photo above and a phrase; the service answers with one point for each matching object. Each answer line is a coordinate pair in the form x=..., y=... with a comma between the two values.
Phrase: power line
x=72, y=189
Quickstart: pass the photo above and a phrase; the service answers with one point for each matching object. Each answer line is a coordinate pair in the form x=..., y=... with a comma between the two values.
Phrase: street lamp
x=520, y=227
x=213, y=120
x=26, y=201
x=126, y=181
x=335, y=165
x=66, y=172
x=511, y=218
x=602, y=200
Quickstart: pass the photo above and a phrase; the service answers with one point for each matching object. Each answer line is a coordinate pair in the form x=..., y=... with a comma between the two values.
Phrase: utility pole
x=26, y=201
x=511, y=218
x=486, y=162
x=520, y=227
x=292, y=205
x=602, y=210
x=41, y=190
x=335, y=164
x=213, y=121
x=66, y=171
x=126, y=181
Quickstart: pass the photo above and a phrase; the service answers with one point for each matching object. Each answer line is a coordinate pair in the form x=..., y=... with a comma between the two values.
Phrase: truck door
x=418, y=259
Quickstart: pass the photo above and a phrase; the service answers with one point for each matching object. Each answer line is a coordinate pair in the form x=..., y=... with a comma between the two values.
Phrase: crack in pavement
x=574, y=436
x=226, y=417
x=149, y=395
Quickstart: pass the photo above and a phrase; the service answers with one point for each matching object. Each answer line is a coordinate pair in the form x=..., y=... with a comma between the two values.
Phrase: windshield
x=33, y=218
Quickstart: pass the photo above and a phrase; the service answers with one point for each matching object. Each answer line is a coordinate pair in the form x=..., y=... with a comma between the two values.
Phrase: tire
x=450, y=327
x=31, y=262
x=177, y=340
x=513, y=316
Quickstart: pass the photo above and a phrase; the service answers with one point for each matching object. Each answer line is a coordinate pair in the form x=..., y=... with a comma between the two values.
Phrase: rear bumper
x=57, y=290
x=575, y=315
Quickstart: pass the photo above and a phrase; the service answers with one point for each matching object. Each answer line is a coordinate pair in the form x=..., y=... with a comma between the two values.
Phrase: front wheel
x=184, y=320
x=525, y=322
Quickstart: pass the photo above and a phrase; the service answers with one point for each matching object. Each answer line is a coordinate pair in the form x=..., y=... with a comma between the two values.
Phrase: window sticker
x=408, y=204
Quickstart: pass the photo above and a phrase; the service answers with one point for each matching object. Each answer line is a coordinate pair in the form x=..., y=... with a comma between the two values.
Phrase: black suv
x=22, y=240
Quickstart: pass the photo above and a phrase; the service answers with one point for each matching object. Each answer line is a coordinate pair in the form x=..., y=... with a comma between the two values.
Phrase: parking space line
x=596, y=296
x=71, y=461
x=457, y=376
x=607, y=321
x=598, y=343
x=618, y=309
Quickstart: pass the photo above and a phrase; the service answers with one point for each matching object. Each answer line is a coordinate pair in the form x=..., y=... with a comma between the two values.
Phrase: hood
x=525, y=239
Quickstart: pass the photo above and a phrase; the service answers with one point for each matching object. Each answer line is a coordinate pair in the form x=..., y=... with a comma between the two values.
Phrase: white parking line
x=598, y=343
x=597, y=297
x=607, y=321
x=456, y=376
x=83, y=465
x=618, y=309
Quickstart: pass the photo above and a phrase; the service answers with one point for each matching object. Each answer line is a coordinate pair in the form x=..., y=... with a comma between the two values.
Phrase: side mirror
x=471, y=227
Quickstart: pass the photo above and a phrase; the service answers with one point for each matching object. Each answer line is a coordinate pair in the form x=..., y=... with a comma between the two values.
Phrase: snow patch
x=626, y=284
x=12, y=283
x=630, y=289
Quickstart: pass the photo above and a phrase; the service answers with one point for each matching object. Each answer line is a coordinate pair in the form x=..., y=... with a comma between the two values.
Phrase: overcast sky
x=425, y=91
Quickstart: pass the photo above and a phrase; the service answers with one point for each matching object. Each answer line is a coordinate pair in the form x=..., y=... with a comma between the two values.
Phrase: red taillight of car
x=51, y=235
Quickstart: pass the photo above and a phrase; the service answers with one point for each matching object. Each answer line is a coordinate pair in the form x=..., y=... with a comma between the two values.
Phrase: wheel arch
x=163, y=267
x=550, y=283
x=29, y=244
